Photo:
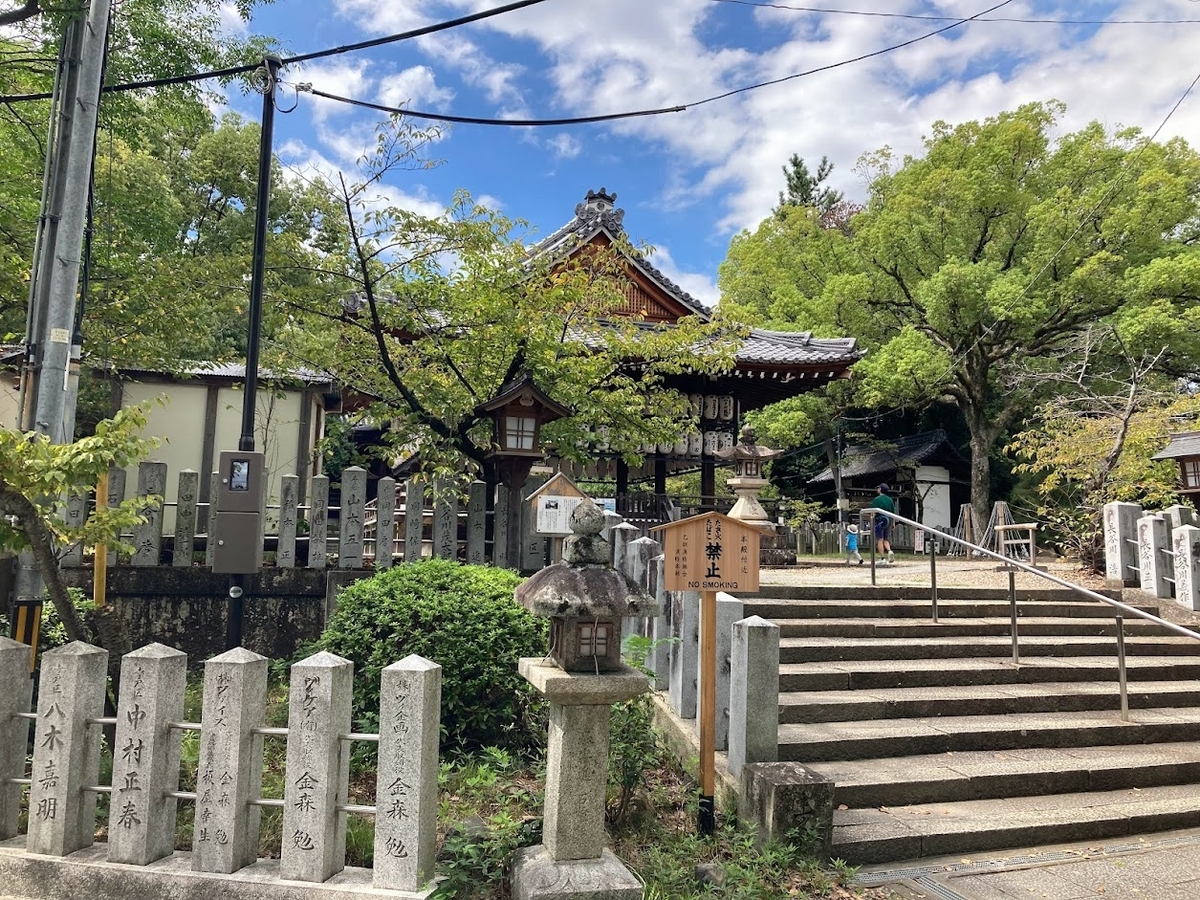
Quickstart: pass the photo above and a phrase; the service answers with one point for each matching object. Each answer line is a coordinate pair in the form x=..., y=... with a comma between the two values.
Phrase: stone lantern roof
x=584, y=584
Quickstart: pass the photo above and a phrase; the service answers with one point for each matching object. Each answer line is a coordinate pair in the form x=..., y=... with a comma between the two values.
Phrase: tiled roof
x=1185, y=444
x=796, y=348
x=871, y=459
x=597, y=214
x=237, y=371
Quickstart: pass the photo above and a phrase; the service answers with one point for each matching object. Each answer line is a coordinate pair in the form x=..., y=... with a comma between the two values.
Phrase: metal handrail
x=1014, y=565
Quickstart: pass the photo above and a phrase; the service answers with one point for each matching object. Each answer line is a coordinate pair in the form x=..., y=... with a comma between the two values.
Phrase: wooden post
x=706, y=820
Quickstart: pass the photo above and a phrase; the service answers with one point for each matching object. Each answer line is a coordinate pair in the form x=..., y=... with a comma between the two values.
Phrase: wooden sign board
x=553, y=504
x=710, y=552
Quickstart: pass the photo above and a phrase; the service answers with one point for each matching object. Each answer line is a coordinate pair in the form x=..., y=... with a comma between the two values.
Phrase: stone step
x=825, y=741
x=863, y=836
x=990, y=774
x=973, y=700
x=837, y=675
x=814, y=649
x=963, y=627
x=779, y=593
x=867, y=609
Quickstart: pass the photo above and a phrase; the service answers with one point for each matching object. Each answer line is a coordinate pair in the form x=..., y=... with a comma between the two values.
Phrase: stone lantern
x=748, y=459
x=585, y=600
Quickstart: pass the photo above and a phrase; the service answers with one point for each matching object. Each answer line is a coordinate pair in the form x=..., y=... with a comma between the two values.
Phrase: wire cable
x=304, y=57
x=930, y=18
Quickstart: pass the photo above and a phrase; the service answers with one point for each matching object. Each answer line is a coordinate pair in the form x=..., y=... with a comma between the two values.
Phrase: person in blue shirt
x=883, y=524
x=852, y=545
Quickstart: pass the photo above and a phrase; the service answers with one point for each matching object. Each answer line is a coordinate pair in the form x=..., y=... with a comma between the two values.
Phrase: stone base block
x=780, y=796
x=535, y=876
x=86, y=873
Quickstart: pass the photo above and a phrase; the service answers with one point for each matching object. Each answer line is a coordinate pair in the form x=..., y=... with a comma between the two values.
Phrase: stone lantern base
x=535, y=876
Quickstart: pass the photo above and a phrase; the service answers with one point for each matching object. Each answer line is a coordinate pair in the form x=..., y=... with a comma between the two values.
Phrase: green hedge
x=465, y=619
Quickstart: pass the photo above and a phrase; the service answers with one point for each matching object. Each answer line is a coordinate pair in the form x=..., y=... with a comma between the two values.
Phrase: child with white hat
x=852, y=545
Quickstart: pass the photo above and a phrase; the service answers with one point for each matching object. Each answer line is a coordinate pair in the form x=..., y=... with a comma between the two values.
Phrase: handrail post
x=1012, y=603
x=871, y=541
x=1121, y=677
x=933, y=577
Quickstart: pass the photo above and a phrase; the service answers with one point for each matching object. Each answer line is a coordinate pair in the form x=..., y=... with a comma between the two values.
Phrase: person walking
x=883, y=524
x=852, y=545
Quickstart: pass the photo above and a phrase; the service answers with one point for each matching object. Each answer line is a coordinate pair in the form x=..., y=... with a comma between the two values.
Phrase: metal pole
x=871, y=541
x=1121, y=677
x=933, y=577
x=1012, y=603
x=270, y=69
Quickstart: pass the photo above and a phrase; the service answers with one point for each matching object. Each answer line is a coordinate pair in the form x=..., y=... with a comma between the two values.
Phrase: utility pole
x=57, y=352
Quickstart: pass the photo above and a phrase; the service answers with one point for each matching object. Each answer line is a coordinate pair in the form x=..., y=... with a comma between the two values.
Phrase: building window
x=1191, y=472
x=593, y=639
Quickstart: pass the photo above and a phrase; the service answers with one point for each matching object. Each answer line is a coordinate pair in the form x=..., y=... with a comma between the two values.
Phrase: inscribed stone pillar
x=660, y=627
x=289, y=503
x=410, y=697
x=1153, y=563
x=210, y=518
x=318, y=523
x=147, y=537
x=754, y=694
x=685, y=652
x=1120, y=543
x=500, y=530
x=66, y=752
x=533, y=545
x=314, y=833
x=141, y=821
x=385, y=522
x=229, y=774
x=1179, y=515
x=476, y=523
x=414, y=519
x=15, y=690
x=729, y=610
x=350, y=518
x=1186, y=543
x=188, y=495
x=619, y=538
x=445, y=520
x=74, y=514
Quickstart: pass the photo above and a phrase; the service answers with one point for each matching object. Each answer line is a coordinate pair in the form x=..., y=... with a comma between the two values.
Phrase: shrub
x=465, y=619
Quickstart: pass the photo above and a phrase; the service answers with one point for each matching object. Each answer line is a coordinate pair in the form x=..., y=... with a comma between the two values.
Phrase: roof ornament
x=599, y=205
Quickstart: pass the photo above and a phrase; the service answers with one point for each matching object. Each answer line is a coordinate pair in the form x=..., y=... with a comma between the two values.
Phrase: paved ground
x=1162, y=866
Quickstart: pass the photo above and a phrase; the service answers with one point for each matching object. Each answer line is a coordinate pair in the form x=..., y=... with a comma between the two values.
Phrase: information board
x=710, y=552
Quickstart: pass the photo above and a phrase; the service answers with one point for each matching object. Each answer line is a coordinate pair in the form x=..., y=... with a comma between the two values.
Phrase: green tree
x=805, y=188
x=976, y=263
x=430, y=317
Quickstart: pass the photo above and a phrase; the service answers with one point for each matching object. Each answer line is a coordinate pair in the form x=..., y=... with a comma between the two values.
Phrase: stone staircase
x=939, y=744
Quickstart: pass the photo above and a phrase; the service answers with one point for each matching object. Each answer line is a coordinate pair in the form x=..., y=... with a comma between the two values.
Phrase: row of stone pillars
x=1157, y=552
x=143, y=795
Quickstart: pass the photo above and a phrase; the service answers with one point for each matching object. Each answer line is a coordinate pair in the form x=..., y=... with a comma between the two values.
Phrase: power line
x=304, y=57
x=846, y=62
x=608, y=117
x=930, y=18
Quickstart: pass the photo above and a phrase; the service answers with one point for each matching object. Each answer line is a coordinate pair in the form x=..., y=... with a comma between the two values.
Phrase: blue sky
x=690, y=180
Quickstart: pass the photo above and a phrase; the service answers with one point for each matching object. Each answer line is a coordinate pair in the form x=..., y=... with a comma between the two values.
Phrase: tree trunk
x=981, y=471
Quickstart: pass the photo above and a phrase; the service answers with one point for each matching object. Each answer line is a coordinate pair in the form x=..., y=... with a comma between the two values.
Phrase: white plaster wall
x=934, y=483
x=276, y=430
x=180, y=425
x=9, y=392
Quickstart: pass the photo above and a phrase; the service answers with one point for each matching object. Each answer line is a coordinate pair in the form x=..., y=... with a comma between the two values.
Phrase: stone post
x=385, y=522
x=314, y=832
x=1120, y=543
x=660, y=627
x=318, y=522
x=414, y=519
x=611, y=521
x=1179, y=515
x=730, y=610
x=210, y=517
x=188, y=495
x=1186, y=543
x=445, y=519
x=147, y=537
x=66, y=752
x=141, y=821
x=500, y=530
x=754, y=694
x=410, y=696
x=476, y=523
x=685, y=652
x=15, y=690
x=1153, y=565
x=229, y=774
x=350, y=517
x=621, y=536
x=289, y=503
x=572, y=860
x=636, y=556
x=75, y=514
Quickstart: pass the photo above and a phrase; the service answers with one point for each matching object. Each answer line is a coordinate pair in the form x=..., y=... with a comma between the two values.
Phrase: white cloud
x=702, y=287
x=231, y=21
x=565, y=146
x=342, y=79
x=415, y=86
